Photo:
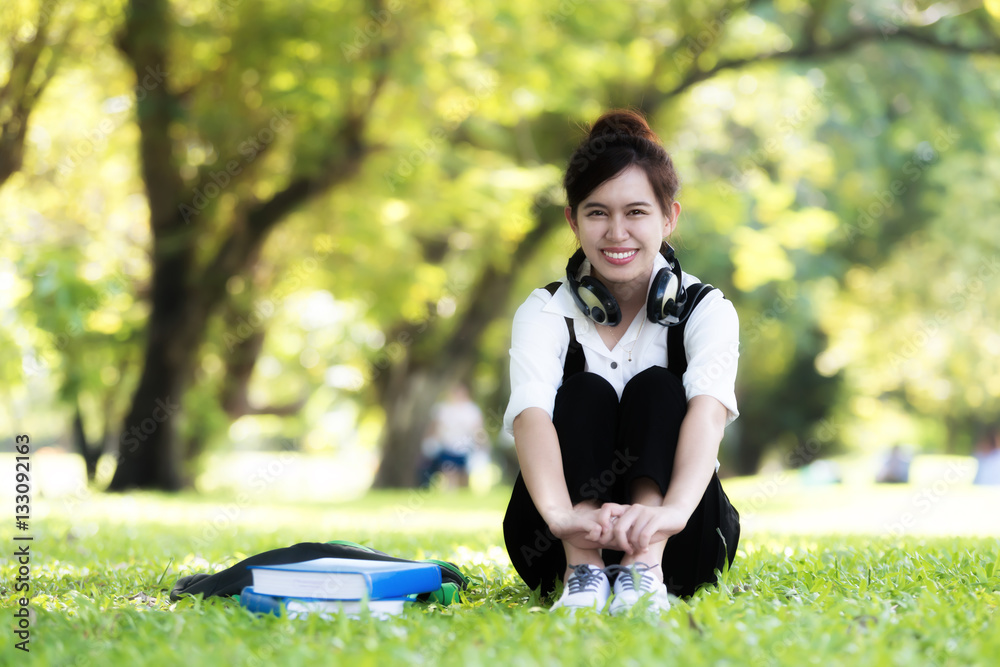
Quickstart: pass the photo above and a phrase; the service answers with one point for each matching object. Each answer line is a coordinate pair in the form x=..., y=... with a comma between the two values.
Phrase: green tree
x=782, y=236
x=404, y=161
x=34, y=49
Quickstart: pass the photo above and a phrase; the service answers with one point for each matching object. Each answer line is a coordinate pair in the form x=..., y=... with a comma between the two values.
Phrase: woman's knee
x=587, y=397
x=655, y=385
x=583, y=389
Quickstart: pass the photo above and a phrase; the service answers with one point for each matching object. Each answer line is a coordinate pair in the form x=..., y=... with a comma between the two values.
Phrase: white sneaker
x=587, y=587
x=636, y=586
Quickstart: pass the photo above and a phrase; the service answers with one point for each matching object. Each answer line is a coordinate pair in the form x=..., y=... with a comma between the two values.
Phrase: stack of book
x=328, y=586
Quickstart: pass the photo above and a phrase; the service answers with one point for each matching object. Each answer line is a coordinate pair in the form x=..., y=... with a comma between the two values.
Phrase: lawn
x=102, y=565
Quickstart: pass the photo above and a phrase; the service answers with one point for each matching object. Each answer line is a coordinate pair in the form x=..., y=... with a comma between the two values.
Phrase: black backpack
x=233, y=580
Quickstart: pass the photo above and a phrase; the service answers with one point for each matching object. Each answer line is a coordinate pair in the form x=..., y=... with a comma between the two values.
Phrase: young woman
x=622, y=381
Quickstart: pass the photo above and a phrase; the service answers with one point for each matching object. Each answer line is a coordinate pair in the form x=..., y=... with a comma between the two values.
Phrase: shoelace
x=631, y=573
x=584, y=579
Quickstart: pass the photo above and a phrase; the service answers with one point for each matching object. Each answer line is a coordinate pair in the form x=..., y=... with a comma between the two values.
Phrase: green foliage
x=100, y=593
x=842, y=198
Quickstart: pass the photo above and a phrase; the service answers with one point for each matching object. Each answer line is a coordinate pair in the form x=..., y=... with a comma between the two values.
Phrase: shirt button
x=614, y=364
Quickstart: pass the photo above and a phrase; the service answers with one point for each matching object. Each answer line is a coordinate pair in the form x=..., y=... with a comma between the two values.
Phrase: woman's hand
x=634, y=527
x=582, y=526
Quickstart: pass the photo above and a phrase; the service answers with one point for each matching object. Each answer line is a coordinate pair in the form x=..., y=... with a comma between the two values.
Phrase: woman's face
x=620, y=227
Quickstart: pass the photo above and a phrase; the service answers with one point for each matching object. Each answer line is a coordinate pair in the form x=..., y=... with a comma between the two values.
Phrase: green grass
x=102, y=565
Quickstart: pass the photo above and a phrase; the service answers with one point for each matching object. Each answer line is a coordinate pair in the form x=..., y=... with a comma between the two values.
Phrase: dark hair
x=618, y=140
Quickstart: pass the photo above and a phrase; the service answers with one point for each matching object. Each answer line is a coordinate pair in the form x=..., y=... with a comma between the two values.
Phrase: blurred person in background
x=988, y=455
x=896, y=466
x=454, y=436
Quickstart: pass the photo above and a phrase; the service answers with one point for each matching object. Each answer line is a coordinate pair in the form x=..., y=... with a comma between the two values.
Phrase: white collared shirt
x=540, y=341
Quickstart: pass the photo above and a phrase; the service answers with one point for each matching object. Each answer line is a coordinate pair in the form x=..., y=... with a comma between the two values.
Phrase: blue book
x=301, y=607
x=346, y=579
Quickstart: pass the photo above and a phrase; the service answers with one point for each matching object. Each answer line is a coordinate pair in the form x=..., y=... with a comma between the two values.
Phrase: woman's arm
x=538, y=453
x=697, y=452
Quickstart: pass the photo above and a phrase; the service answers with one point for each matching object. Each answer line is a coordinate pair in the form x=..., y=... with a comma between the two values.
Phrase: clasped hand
x=628, y=528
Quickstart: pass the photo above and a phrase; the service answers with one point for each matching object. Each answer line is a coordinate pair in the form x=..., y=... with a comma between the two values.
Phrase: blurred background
x=242, y=238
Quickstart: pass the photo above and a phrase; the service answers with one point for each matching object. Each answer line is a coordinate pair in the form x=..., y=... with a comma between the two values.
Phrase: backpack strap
x=676, y=354
x=575, y=359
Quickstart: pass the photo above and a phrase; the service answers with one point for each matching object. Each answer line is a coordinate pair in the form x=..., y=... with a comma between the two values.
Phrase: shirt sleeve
x=712, y=345
x=538, y=346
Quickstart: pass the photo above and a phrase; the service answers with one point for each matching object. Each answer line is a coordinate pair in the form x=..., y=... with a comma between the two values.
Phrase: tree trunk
x=749, y=452
x=409, y=402
x=89, y=453
x=149, y=454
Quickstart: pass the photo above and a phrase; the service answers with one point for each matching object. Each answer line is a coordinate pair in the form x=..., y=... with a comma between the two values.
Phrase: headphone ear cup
x=663, y=297
x=601, y=305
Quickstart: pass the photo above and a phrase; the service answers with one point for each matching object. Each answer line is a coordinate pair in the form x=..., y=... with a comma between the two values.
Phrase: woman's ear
x=670, y=224
x=568, y=211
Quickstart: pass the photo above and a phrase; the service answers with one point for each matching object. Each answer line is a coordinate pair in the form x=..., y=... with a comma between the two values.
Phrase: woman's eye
x=595, y=212
x=637, y=211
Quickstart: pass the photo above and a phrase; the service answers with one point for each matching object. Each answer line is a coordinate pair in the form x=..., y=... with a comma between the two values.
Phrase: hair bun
x=623, y=122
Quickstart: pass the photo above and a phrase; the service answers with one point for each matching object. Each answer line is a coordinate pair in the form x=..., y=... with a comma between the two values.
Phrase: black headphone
x=665, y=305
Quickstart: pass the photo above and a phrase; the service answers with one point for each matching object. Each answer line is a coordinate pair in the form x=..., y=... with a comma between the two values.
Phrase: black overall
x=612, y=443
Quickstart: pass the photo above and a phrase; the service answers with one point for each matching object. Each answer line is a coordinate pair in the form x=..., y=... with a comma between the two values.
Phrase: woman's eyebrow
x=596, y=204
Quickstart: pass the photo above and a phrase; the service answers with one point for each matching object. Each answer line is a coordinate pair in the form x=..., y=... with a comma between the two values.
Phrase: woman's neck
x=631, y=300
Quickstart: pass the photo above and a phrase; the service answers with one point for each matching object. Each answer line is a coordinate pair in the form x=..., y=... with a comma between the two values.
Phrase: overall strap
x=575, y=359
x=676, y=354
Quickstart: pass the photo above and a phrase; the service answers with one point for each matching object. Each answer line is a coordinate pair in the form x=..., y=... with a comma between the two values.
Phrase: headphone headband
x=665, y=304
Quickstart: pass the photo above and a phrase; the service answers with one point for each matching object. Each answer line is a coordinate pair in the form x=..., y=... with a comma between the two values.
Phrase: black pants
x=605, y=446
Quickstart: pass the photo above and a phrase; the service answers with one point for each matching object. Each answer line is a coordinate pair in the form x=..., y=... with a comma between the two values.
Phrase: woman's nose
x=617, y=230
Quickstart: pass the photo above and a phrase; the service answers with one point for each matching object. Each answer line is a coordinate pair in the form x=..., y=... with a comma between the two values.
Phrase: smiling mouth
x=619, y=255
